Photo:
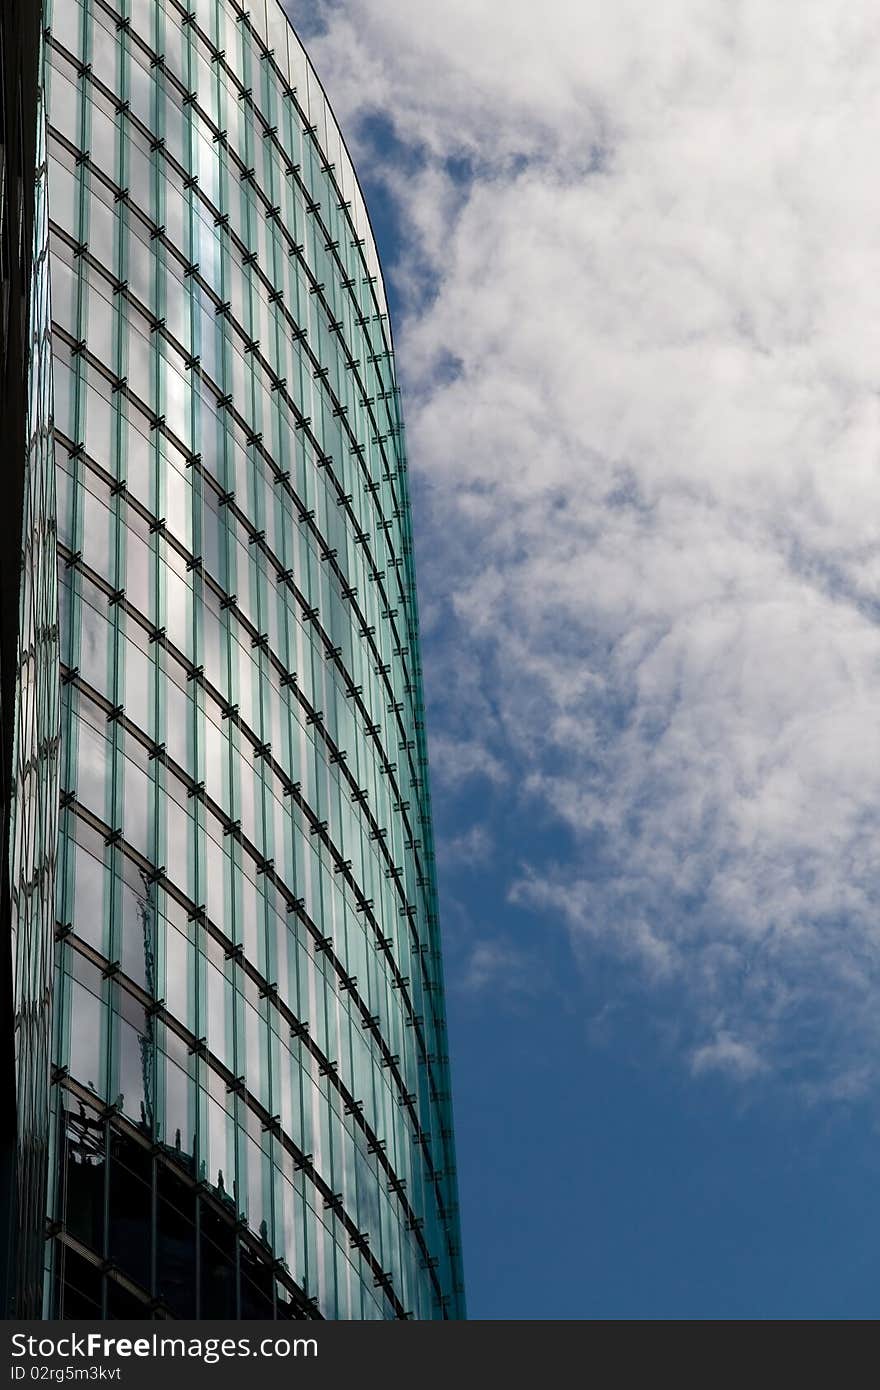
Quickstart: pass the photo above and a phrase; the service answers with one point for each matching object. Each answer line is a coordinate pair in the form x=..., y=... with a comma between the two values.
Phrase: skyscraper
x=249, y=1109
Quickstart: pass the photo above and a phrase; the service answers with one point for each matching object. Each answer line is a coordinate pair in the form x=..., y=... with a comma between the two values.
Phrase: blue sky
x=632, y=255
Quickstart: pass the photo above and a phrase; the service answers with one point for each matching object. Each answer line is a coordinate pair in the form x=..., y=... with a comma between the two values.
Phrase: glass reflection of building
x=249, y=1101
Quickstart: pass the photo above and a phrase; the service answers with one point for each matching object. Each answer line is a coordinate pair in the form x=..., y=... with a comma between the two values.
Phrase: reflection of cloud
x=653, y=475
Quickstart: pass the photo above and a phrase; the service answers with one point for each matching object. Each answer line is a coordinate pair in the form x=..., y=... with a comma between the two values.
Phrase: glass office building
x=249, y=1110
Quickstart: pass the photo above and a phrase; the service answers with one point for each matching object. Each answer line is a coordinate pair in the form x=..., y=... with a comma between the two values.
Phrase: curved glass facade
x=29, y=717
x=251, y=1095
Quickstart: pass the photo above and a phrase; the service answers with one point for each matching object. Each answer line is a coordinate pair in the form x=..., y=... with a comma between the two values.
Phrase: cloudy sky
x=634, y=252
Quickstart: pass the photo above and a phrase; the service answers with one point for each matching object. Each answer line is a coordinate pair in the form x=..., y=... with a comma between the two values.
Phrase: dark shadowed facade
x=247, y=1112
x=29, y=669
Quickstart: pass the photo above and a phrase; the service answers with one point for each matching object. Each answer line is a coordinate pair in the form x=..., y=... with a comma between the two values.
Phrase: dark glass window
x=176, y=1245
x=131, y=1209
x=217, y=1266
x=256, y=1284
x=81, y=1287
x=122, y=1304
x=84, y=1172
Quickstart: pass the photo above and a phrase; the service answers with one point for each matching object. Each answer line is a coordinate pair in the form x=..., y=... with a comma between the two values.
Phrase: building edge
x=29, y=670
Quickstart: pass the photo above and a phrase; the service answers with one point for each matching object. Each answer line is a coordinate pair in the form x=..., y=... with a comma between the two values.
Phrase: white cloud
x=727, y=1054
x=457, y=759
x=471, y=847
x=502, y=968
x=654, y=471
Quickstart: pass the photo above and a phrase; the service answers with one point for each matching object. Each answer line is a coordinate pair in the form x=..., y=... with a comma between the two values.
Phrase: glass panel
x=84, y=1173
x=131, y=1211
x=136, y=929
x=176, y=1245
x=217, y=1267
x=86, y=1053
